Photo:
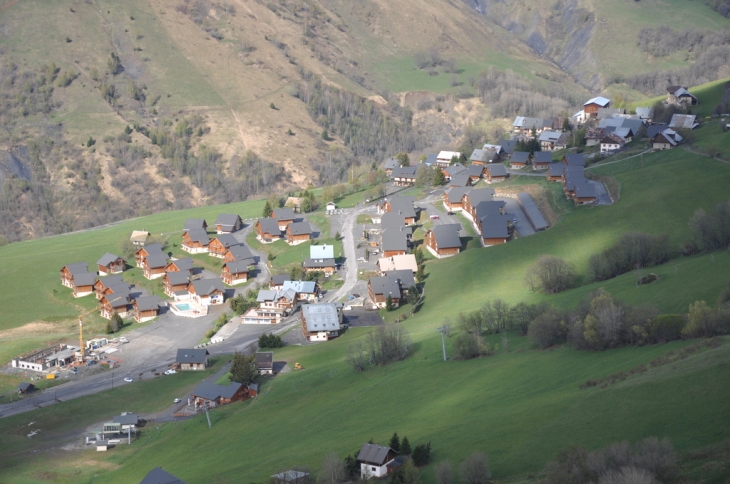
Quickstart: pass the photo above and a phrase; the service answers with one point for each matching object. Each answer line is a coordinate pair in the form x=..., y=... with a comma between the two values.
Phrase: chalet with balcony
x=321, y=258
x=154, y=266
x=207, y=292
x=195, y=241
x=143, y=252
x=298, y=233
x=110, y=264
x=443, y=240
x=114, y=303
x=195, y=224
x=267, y=230
x=284, y=217
x=265, y=362
x=185, y=265
x=519, y=160
x=176, y=283
x=220, y=245
x=541, y=160
x=404, y=176
x=146, y=308
x=104, y=282
x=496, y=173
x=227, y=223
x=234, y=272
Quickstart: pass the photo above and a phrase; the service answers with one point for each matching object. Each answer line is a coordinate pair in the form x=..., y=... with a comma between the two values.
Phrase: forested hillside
x=142, y=106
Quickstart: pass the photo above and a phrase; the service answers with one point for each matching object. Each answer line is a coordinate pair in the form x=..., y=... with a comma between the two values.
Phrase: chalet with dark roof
x=154, y=266
x=443, y=240
x=145, y=308
x=211, y=395
x=404, y=176
x=374, y=460
x=284, y=217
x=267, y=230
x=219, y=246
x=235, y=272
x=298, y=233
x=104, y=282
x=453, y=198
x=176, y=283
x=110, y=264
x=496, y=173
x=575, y=159
x=207, y=292
x=519, y=159
x=227, y=223
x=195, y=224
x=143, y=252
x=541, y=160
x=265, y=362
x=195, y=241
x=185, y=265
x=159, y=476
x=192, y=359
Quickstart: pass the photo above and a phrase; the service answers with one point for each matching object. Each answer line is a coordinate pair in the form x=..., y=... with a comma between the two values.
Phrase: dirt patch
x=31, y=329
x=538, y=194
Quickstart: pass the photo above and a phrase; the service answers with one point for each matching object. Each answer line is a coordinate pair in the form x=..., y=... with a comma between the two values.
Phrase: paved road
x=515, y=211
x=348, y=243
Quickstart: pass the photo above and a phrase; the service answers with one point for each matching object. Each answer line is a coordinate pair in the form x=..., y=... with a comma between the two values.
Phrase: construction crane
x=82, y=346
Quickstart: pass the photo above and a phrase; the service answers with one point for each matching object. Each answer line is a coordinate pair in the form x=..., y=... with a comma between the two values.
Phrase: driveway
x=602, y=196
x=514, y=210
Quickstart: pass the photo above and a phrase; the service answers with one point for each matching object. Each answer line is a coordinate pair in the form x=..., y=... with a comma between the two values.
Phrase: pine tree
x=420, y=273
x=405, y=446
x=267, y=209
x=389, y=303
x=243, y=368
x=438, y=177
x=116, y=322
x=395, y=442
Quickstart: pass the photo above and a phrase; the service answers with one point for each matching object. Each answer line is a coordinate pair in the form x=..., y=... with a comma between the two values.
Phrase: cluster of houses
x=117, y=296
x=283, y=223
x=486, y=214
x=570, y=172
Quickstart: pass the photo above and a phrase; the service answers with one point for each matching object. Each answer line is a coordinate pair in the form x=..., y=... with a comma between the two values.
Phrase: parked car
x=122, y=339
x=449, y=213
x=128, y=379
x=177, y=400
x=434, y=217
x=170, y=372
x=514, y=221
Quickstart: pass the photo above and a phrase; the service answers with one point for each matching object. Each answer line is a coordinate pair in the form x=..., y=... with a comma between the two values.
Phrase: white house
x=374, y=460
x=444, y=158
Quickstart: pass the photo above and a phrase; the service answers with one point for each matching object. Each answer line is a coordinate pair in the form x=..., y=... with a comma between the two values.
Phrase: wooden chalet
x=207, y=292
x=267, y=230
x=239, y=253
x=395, y=242
x=474, y=197
x=496, y=173
x=154, y=266
x=186, y=265
x=234, y=272
x=576, y=159
x=555, y=172
x=69, y=271
x=176, y=283
x=298, y=233
x=404, y=176
x=541, y=160
x=584, y=194
x=104, y=282
x=110, y=264
x=192, y=359
x=84, y=284
x=443, y=240
x=591, y=107
x=146, y=308
x=114, y=303
x=401, y=205
x=265, y=362
x=211, y=395
x=143, y=252
x=284, y=217
x=220, y=245
x=195, y=241
x=665, y=140
x=393, y=284
x=453, y=198
x=227, y=223
x=120, y=287
x=519, y=159
x=680, y=96
x=277, y=281
x=374, y=460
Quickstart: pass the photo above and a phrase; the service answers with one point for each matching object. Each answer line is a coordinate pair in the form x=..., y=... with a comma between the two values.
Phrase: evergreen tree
x=454, y=160
x=420, y=258
x=438, y=177
x=405, y=446
x=389, y=303
x=413, y=295
x=420, y=273
x=116, y=322
x=395, y=442
x=267, y=210
x=403, y=159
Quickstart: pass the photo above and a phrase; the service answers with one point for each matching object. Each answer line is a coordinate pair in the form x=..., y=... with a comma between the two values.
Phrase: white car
x=170, y=372
x=122, y=339
x=128, y=379
x=177, y=400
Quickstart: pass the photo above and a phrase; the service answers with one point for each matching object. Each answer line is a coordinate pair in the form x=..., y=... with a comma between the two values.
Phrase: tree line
x=633, y=250
x=663, y=40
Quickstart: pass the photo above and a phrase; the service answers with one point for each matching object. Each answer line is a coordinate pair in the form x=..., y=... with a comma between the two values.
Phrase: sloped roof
x=520, y=157
x=191, y=355
x=404, y=172
x=508, y=145
x=555, y=169
x=204, y=287
x=474, y=170
x=524, y=122
x=195, y=223
x=321, y=317
x=542, y=157
x=199, y=235
x=85, y=279
x=654, y=129
x=139, y=235
x=633, y=124
x=398, y=263
x=237, y=266
x=319, y=262
x=402, y=205
x=494, y=226
x=265, y=359
x=212, y=391
x=447, y=236
x=227, y=240
x=128, y=419
x=455, y=169
x=303, y=287
x=227, y=219
x=391, y=164
x=392, y=220
x=385, y=285
x=152, y=249
x=177, y=278
x=158, y=476
x=374, y=454
x=601, y=101
x=184, y=264
x=24, y=386
x=110, y=280
x=595, y=133
x=479, y=155
x=480, y=195
x=269, y=226
x=278, y=279
x=322, y=251
x=241, y=252
x=77, y=268
x=585, y=190
x=455, y=194
x=430, y=159
x=107, y=259
x=549, y=136
x=267, y=295
x=155, y=261
x=147, y=303
x=300, y=228
x=497, y=170
x=533, y=213
x=645, y=113
x=447, y=155
x=685, y=121
x=609, y=112
x=283, y=213
x=460, y=180
x=394, y=239
x=483, y=209
x=575, y=159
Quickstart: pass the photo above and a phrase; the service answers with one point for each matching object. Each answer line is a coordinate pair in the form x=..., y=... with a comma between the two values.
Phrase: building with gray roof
x=228, y=222
x=159, y=476
x=395, y=241
x=195, y=223
x=321, y=322
x=533, y=213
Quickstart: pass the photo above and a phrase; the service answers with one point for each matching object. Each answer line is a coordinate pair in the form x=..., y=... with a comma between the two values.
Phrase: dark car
x=449, y=213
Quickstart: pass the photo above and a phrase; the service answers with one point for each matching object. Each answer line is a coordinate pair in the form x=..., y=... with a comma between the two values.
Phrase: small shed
x=253, y=389
x=102, y=445
x=25, y=388
x=331, y=206
x=139, y=238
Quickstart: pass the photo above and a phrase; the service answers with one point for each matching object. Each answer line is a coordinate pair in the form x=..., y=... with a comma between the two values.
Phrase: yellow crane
x=82, y=346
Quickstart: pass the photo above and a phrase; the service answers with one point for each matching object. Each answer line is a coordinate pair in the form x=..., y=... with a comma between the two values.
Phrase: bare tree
x=390, y=342
x=444, y=472
x=610, y=319
x=356, y=356
x=475, y=469
x=553, y=273
x=434, y=56
x=333, y=470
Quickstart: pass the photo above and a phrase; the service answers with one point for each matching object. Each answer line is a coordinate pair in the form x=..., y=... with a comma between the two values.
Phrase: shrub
x=270, y=340
x=552, y=274
x=548, y=329
x=632, y=250
x=667, y=327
